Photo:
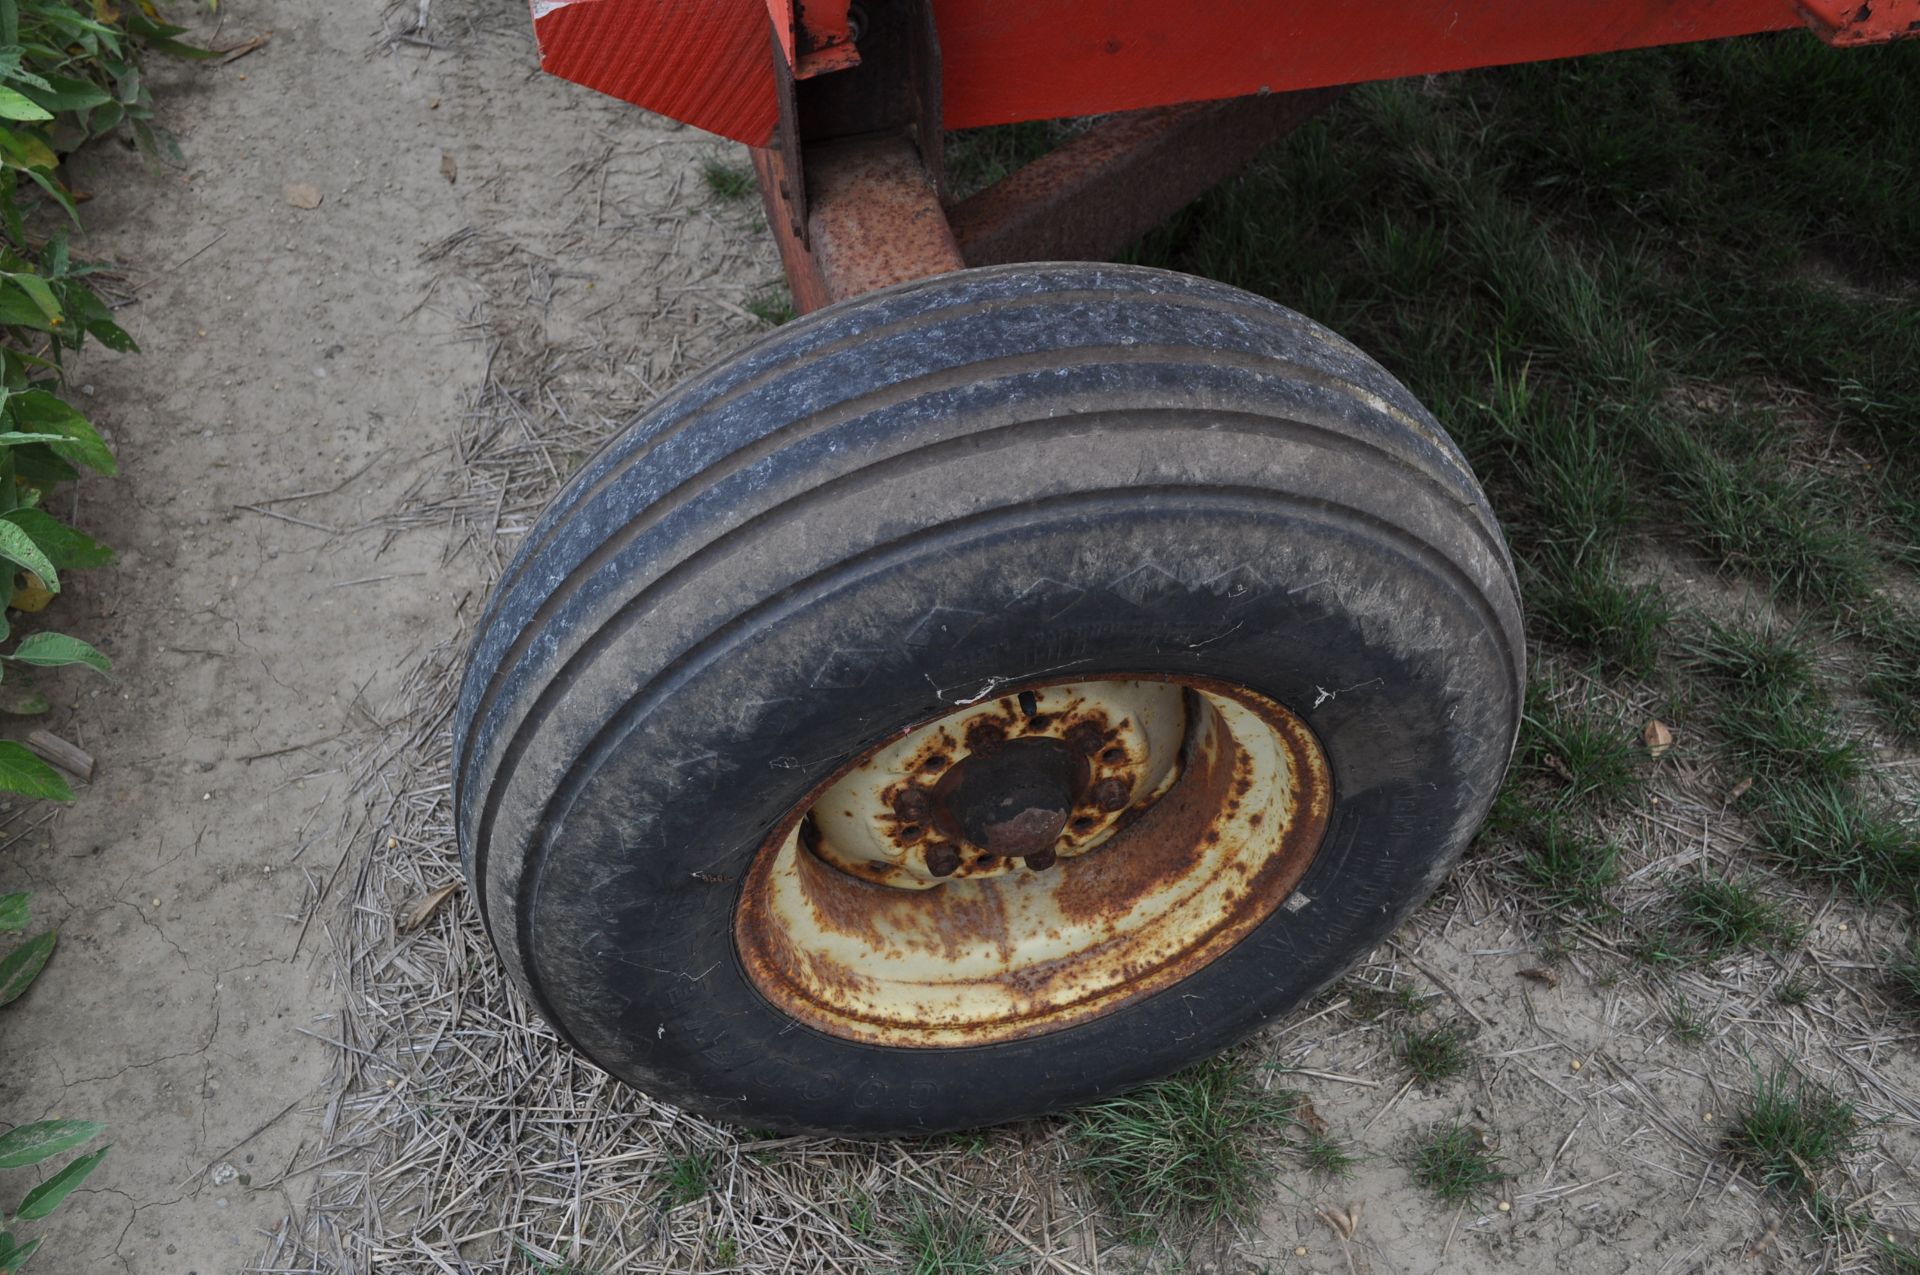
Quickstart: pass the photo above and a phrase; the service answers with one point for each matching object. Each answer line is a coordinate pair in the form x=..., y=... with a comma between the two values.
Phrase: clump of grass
x=1790, y=992
x=1777, y=732
x=942, y=1242
x=1327, y=1157
x=1581, y=600
x=730, y=182
x=1372, y=1001
x=1892, y=641
x=1903, y=976
x=1185, y=1149
x=1758, y=518
x=1719, y=916
x=1453, y=1162
x=1689, y=1027
x=772, y=308
x=1792, y=1132
x=1832, y=833
x=1752, y=660
x=1587, y=755
x=687, y=1178
x=1433, y=1055
x=1569, y=871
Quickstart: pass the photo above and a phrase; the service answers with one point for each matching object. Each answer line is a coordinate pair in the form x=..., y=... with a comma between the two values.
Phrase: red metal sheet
x=709, y=62
x=1049, y=58
x=1849, y=22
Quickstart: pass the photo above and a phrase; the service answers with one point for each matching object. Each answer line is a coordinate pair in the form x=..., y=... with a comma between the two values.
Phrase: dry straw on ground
x=462, y=1136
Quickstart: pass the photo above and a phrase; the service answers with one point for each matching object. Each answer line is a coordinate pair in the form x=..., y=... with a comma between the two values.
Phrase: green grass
x=772, y=308
x=940, y=1241
x=1790, y=992
x=1584, y=757
x=1687, y=1024
x=1372, y=1001
x=1433, y=1055
x=731, y=182
x=1719, y=916
x=1566, y=870
x=1193, y=1148
x=1903, y=977
x=1752, y=661
x=687, y=1178
x=1452, y=1162
x=979, y=157
x=1783, y=734
x=1835, y=834
x=1792, y=1132
x=1325, y=1156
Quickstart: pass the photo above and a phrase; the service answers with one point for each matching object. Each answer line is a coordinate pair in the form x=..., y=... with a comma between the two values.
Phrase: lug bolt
x=1113, y=794
x=911, y=806
x=943, y=860
x=1086, y=738
x=1041, y=860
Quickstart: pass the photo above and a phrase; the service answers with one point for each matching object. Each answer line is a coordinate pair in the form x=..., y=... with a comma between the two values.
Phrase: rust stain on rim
x=851, y=927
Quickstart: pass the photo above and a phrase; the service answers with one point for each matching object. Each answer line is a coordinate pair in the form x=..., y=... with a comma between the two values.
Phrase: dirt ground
x=302, y=372
x=341, y=418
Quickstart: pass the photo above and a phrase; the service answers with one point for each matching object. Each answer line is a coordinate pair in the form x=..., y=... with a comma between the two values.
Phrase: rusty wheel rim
x=1033, y=861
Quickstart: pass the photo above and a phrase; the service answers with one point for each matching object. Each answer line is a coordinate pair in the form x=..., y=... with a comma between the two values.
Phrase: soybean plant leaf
x=23, y=772
x=12, y=1259
x=39, y=293
x=63, y=546
x=63, y=94
x=17, y=546
x=32, y=1143
x=36, y=463
x=79, y=441
x=111, y=335
x=14, y=106
x=17, y=969
x=52, y=650
x=13, y=910
x=14, y=438
x=46, y=1197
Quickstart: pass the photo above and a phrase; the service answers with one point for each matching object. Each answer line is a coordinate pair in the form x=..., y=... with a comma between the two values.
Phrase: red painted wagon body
x=780, y=76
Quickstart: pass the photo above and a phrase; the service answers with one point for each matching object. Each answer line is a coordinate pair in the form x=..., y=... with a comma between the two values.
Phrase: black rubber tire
x=900, y=502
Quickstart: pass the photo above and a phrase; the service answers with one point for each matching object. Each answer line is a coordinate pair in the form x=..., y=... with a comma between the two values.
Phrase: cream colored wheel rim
x=1154, y=823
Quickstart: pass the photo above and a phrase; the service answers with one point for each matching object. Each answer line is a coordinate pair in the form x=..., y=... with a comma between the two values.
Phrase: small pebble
x=1301, y=1251
x=1574, y=1065
x=1505, y=1206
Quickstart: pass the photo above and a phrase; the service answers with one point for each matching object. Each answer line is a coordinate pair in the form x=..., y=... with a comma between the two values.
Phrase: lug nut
x=943, y=860
x=911, y=806
x=1086, y=738
x=1113, y=794
x=1041, y=860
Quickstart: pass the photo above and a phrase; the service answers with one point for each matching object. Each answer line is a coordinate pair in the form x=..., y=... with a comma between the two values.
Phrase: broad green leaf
x=17, y=969
x=12, y=1259
x=32, y=1143
x=63, y=94
x=17, y=546
x=36, y=463
x=80, y=442
x=17, y=309
x=52, y=650
x=46, y=1197
x=9, y=22
x=40, y=294
x=24, y=704
x=23, y=150
x=13, y=438
x=13, y=910
x=14, y=106
x=63, y=546
x=23, y=772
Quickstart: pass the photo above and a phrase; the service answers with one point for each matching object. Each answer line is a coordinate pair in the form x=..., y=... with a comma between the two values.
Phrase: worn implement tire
x=928, y=497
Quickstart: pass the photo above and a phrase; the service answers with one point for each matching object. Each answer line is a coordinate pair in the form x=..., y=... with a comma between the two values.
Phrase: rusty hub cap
x=1030, y=862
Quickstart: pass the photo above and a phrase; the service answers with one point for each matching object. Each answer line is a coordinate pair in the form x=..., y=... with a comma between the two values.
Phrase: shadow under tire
x=926, y=500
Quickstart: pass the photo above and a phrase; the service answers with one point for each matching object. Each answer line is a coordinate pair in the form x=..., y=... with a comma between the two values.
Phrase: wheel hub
x=1028, y=862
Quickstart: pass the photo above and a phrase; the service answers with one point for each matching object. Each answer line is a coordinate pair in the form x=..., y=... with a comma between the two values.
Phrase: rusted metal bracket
x=853, y=180
x=1102, y=190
